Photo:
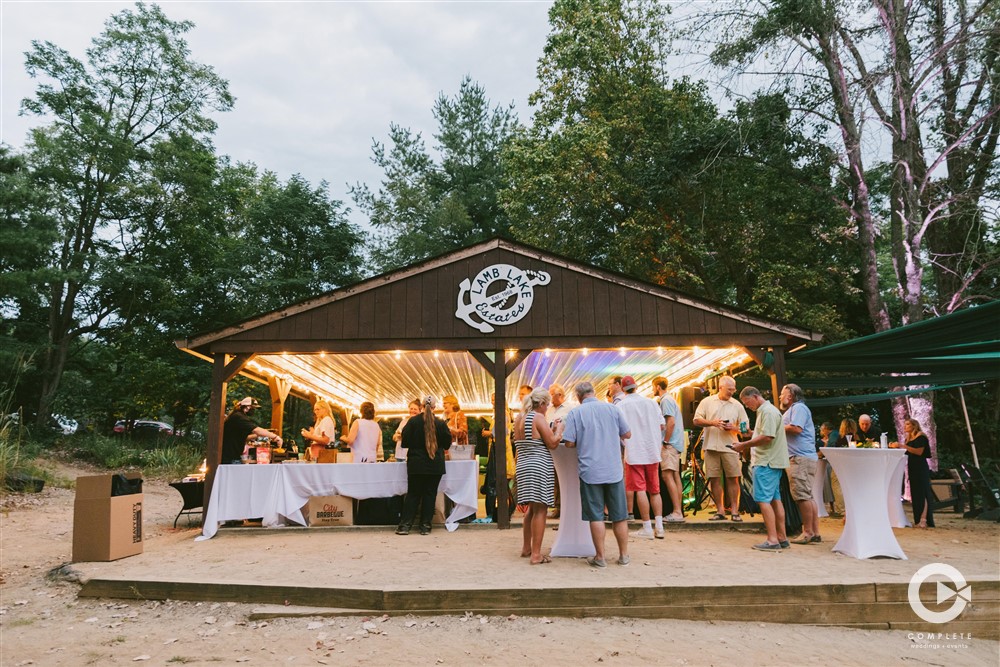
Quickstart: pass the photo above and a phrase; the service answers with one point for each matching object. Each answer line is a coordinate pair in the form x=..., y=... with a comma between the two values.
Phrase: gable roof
x=409, y=332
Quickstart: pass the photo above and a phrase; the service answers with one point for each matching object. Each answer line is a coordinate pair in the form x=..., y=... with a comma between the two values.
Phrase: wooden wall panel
x=352, y=308
x=576, y=308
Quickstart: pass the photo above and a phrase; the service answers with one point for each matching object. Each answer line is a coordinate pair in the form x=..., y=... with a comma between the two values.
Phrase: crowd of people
x=625, y=445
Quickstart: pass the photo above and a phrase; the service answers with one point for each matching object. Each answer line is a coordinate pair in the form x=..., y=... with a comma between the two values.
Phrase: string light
x=398, y=354
x=621, y=351
x=548, y=352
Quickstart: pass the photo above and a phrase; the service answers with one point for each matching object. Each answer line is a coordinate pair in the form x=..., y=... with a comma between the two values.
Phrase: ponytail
x=430, y=428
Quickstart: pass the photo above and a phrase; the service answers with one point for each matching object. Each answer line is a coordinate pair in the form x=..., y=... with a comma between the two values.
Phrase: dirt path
x=42, y=622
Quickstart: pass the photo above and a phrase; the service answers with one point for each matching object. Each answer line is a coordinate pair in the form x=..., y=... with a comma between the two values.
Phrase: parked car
x=143, y=428
x=58, y=423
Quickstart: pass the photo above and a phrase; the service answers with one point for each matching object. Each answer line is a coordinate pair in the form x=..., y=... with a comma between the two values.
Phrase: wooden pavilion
x=480, y=320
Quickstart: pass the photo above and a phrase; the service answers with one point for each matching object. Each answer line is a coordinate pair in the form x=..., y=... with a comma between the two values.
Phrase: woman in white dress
x=365, y=436
x=323, y=432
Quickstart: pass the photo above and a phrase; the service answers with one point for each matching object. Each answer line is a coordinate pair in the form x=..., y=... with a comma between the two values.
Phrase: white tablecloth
x=277, y=492
x=573, y=538
x=897, y=517
x=866, y=478
x=819, y=484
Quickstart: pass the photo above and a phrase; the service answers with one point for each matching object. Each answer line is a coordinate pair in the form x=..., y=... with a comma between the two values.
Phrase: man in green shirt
x=768, y=458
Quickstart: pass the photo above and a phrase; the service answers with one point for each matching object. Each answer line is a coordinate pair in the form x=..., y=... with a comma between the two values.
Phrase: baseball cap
x=251, y=402
x=628, y=382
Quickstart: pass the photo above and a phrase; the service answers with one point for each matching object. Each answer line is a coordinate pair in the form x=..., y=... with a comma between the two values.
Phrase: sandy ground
x=42, y=622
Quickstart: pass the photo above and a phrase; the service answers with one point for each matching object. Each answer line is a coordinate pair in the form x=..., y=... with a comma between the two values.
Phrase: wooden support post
x=778, y=377
x=279, y=389
x=224, y=369
x=500, y=436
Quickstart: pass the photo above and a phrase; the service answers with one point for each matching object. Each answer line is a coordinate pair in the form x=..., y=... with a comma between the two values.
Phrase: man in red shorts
x=642, y=456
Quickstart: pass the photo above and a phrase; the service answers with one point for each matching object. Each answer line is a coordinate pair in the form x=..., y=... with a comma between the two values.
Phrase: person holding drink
x=323, y=432
x=918, y=451
x=720, y=416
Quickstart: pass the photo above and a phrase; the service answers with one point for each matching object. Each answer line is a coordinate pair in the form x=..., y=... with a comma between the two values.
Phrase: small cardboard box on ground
x=331, y=511
x=105, y=527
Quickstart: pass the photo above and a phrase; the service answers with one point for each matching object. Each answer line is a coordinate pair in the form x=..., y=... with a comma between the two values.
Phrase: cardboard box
x=105, y=527
x=331, y=511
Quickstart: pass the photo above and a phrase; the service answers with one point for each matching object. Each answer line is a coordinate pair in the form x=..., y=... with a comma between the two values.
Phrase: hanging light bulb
x=548, y=352
x=585, y=351
x=621, y=351
x=398, y=354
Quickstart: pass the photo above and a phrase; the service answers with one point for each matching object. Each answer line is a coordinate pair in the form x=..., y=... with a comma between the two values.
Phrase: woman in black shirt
x=425, y=438
x=918, y=451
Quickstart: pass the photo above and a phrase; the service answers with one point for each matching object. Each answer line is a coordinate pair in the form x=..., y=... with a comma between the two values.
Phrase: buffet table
x=573, y=538
x=278, y=492
x=866, y=478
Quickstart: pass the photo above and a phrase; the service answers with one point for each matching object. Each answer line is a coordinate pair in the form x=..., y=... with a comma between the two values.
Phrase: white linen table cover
x=865, y=477
x=573, y=538
x=277, y=492
x=819, y=484
x=897, y=517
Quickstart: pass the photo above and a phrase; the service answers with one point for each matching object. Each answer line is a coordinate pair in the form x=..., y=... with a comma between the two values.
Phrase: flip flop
x=737, y=518
x=717, y=517
x=545, y=559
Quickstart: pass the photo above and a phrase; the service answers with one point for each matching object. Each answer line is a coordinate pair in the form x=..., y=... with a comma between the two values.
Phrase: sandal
x=717, y=517
x=737, y=518
x=545, y=559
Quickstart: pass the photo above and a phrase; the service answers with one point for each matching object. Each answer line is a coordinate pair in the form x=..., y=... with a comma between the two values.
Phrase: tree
x=627, y=169
x=137, y=88
x=926, y=73
x=426, y=207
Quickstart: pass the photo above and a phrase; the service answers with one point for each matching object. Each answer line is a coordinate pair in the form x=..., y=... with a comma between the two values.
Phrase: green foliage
x=628, y=170
x=117, y=453
x=423, y=207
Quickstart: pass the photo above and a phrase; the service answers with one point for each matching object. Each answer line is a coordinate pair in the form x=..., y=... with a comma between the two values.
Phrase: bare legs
x=620, y=530
x=673, y=481
x=732, y=488
x=774, y=521
x=533, y=531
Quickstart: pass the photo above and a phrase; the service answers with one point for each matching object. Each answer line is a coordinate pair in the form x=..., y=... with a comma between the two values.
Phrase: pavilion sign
x=499, y=295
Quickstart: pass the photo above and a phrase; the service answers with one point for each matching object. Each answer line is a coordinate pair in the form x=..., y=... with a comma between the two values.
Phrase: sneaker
x=673, y=519
x=643, y=535
x=659, y=533
x=767, y=546
x=785, y=544
x=624, y=560
x=594, y=561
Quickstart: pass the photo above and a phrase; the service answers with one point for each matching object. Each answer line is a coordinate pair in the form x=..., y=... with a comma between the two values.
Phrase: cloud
x=314, y=82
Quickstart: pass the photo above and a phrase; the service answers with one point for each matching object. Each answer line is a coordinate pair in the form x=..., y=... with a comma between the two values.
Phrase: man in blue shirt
x=802, y=459
x=596, y=428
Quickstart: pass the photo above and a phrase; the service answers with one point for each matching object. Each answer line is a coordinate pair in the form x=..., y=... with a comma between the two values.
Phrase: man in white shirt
x=721, y=416
x=642, y=456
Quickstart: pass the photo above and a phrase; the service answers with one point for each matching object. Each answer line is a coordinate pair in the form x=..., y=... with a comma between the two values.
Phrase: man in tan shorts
x=722, y=417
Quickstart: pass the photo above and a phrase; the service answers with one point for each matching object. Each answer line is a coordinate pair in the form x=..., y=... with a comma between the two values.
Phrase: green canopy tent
x=951, y=351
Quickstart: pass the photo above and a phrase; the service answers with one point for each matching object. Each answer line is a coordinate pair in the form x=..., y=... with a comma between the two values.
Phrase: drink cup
x=850, y=441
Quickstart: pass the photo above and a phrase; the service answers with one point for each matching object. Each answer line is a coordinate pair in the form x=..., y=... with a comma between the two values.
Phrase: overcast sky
x=314, y=81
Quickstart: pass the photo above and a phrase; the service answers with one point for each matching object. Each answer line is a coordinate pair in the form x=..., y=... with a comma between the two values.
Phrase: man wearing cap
x=720, y=416
x=642, y=456
x=238, y=427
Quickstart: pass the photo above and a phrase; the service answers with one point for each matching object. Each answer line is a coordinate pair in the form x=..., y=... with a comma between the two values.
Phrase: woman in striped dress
x=536, y=474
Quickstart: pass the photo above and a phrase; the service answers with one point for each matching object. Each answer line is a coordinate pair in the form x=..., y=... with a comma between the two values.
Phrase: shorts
x=595, y=497
x=766, y=484
x=801, y=473
x=642, y=477
x=717, y=462
x=670, y=458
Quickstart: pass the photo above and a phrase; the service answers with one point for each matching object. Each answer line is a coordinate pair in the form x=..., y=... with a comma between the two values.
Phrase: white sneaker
x=643, y=534
x=659, y=533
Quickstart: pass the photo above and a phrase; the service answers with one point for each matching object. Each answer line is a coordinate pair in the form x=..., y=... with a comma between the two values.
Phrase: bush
x=174, y=460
